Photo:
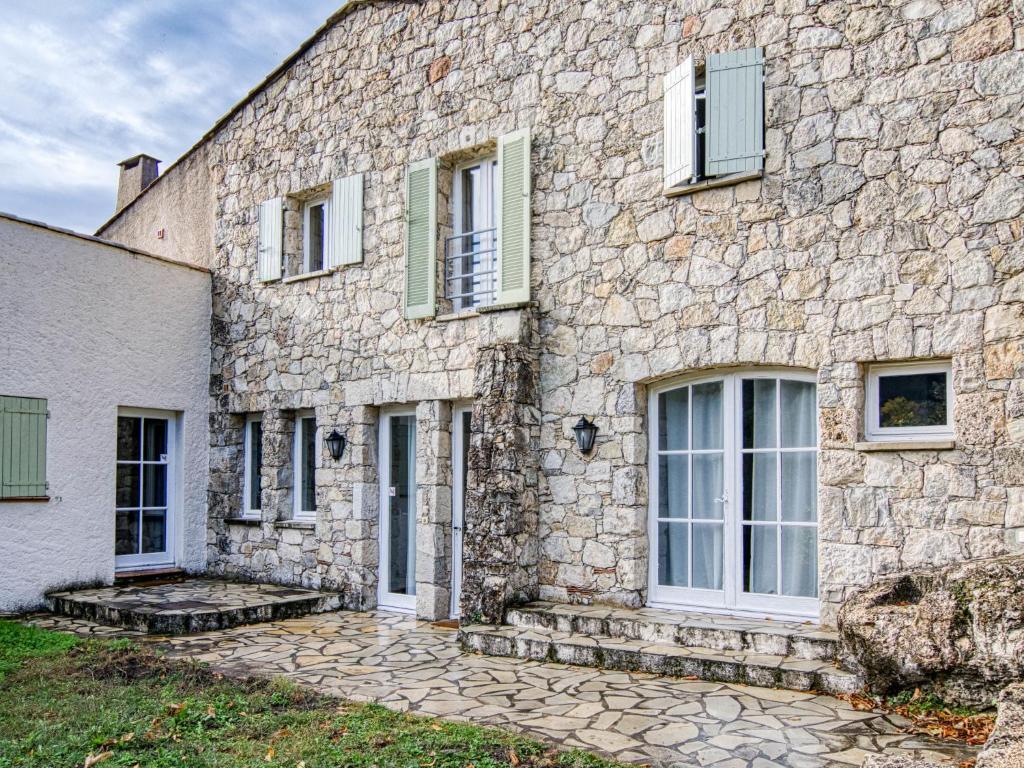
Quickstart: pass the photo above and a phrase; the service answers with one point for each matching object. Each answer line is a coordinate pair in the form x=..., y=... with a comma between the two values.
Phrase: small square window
x=912, y=401
x=314, y=235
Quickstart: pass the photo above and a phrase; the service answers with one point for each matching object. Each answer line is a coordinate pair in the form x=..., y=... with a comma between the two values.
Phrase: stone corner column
x=501, y=548
x=433, y=509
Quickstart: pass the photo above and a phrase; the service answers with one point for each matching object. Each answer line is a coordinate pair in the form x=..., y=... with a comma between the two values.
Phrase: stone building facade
x=885, y=226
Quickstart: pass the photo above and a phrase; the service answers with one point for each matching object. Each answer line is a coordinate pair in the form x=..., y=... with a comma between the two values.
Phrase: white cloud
x=90, y=83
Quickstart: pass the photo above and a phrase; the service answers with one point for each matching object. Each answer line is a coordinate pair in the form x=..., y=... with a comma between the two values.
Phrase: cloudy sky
x=87, y=83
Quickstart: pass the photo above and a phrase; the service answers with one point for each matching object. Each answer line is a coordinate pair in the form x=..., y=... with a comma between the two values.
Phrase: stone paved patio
x=413, y=665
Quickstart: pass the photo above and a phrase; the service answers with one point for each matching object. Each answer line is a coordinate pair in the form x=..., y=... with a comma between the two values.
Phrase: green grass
x=65, y=701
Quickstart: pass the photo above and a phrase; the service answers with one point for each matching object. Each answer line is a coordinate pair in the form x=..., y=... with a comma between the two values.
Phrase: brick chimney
x=137, y=173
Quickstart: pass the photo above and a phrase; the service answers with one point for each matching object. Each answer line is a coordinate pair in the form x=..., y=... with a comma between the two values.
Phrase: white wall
x=91, y=327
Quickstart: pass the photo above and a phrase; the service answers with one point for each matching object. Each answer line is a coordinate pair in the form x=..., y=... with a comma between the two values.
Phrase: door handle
x=723, y=499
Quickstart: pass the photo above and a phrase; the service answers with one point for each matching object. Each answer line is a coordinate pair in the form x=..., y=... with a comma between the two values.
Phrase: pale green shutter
x=346, y=224
x=421, y=239
x=513, y=203
x=271, y=246
x=734, y=124
x=22, y=447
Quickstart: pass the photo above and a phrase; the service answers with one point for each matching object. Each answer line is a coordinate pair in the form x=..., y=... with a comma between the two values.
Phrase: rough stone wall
x=886, y=227
x=501, y=549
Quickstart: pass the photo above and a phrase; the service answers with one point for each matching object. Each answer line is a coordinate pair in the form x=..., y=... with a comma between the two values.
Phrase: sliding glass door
x=733, y=518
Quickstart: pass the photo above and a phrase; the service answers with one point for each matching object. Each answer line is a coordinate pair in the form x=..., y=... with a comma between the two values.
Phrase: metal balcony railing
x=470, y=269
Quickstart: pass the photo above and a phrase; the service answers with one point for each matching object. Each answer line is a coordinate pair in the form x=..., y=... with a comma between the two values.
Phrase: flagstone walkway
x=417, y=666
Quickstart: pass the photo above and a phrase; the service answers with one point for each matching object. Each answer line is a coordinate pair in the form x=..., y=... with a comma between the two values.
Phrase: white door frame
x=730, y=599
x=385, y=599
x=459, y=470
x=167, y=558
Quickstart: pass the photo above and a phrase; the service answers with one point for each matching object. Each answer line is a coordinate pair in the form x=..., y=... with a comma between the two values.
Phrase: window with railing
x=470, y=254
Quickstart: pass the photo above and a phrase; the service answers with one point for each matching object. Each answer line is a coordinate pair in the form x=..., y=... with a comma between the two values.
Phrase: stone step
x=190, y=606
x=726, y=666
x=702, y=630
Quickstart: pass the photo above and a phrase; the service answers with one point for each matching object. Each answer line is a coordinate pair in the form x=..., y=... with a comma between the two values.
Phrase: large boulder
x=957, y=630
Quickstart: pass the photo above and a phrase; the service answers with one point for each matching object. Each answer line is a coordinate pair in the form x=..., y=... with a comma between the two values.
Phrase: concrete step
x=190, y=606
x=704, y=630
x=726, y=666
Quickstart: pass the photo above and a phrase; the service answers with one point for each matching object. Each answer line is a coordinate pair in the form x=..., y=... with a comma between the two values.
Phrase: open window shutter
x=421, y=238
x=734, y=126
x=346, y=240
x=679, y=138
x=271, y=231
x=513, y=215
x=22, y=447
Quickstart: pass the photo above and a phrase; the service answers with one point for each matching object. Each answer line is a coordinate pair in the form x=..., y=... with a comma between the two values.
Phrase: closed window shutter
x=22, y=447
x=513, y=214
x=346, y=226
x=679, y=138
x=734, y=125
x=270, y=245
x=421, y=238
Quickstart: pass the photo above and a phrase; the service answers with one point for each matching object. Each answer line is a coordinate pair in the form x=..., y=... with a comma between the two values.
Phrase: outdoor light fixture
x=335, y=444
x=585, y=433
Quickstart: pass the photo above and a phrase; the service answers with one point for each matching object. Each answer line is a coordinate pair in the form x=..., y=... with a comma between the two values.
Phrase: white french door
x=461, y=419
x=733, y=494
x=397, y=579
x=144, y=491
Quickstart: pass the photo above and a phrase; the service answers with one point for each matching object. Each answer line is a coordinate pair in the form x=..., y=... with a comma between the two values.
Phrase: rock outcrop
x=957, y=630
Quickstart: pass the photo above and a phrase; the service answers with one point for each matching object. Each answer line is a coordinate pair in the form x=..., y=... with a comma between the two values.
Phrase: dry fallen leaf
x=92, y=760
x=126, y=737
x=513, y=757
x=270, y=754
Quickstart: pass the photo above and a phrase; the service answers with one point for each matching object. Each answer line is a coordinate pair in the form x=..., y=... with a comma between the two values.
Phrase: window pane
x=309, y=465
x=708, y=481
x=759, y=486
x=128, y=430
x=672, y=548
x=255, y=458
x=759, y=413
x=800, y=487
x=915, y=400
x=673, y=486
x=154, y=439
x=707, y=556
x=154, y=485
x=126, y=534
x=759, y=558
x=799, y=415
x=673, y=420
x=707, y=416
x=316, y=238
x=402, y=509
x=127, y=494
x=799, y=561
x=154, y=530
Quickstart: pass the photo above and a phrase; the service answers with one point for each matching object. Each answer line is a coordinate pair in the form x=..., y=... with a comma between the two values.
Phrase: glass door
x=144, y=492
x=462, y=418
x=397, y=588
x=733, y=493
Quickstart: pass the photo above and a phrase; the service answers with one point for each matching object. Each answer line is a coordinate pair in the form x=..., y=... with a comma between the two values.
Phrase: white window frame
x=876, y=433
x=247, y=513
x=731, y=599
x=298, y=468
x=489, y=189
x=325, y=201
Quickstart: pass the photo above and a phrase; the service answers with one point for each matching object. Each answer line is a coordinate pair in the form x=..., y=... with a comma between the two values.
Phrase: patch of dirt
x=972, y=730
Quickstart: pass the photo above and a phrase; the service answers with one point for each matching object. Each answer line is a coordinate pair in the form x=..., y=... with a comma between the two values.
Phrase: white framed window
x=252, y=486
x=304, y=461
x=315, y=234
x=471, y=265
x=909, y=401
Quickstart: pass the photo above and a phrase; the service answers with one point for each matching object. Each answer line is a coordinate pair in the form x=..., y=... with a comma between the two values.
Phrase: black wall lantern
x=585, y=433
x=335, y=444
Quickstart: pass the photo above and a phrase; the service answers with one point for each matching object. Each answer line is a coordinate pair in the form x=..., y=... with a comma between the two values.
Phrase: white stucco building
x=104, y=375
